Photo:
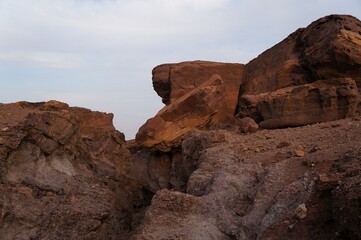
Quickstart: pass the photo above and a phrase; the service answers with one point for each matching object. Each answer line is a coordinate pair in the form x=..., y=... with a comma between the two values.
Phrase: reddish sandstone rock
x=327, y=49
x=172, y=81
x=186, y=89
x=201, y=108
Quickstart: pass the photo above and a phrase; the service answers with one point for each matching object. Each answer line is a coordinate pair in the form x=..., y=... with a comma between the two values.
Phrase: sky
x=99, y=54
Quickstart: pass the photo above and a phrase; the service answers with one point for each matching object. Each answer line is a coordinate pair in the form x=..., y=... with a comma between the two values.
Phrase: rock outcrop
x=329, y=48
x=311, y=76
x=201, y=108
x=63, y=174
x=172, y=81
x=319, y=101
x=242, y=183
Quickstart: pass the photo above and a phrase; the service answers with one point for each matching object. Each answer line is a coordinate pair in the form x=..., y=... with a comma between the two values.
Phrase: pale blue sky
x=99, y=54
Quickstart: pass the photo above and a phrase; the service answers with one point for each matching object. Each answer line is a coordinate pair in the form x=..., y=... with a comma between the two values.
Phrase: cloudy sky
x=99, y=54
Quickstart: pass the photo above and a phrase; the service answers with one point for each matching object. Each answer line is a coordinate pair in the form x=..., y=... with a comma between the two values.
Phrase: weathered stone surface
x=172, y=81
x=203, y=107
x=236, y=192
x=323, y=100
x=328, y=48
x=63, y=174
x=247, y=125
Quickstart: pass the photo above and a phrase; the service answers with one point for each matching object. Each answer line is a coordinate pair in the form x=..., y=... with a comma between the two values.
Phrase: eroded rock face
x=252, y=187
x=63, y=174
x=311, y=76
x=319, y=101
x=203, y=107
x=328, y=48
x=172, y=81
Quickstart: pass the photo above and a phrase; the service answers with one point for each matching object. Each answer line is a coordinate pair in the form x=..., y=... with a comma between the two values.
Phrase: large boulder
x=63, y=174
x=328, y=48
x=172, y=81
x=201, y=108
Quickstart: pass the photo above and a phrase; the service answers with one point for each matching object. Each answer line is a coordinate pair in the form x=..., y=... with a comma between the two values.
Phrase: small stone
x=301, y=211
x=323, y=178
x=5, y=129
x=283, y=144
x=50, y=194
x=257, y=150
x=290, y=227
x=335, y=125
x=299, y=153
x=267, y=136
x=247, y=125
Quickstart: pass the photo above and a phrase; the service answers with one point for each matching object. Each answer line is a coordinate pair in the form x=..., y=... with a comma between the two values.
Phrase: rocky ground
x=294, y=183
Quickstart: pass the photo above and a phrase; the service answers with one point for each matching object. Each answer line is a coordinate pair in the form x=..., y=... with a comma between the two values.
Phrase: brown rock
x=299, y=153
x=329, y=48
x=172, y=81
x=301, y=211
x=60, y=172
x=247, y=125
x=201, y=108
x=283, y=144
x=310, y=103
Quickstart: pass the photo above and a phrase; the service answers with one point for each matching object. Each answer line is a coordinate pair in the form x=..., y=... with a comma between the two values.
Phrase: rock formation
x=172, y=81
x=203, y=107
x=63, y=174
x=328, y=48
x=253, y=187
x=311, y=76
x=240, y=183
x=217, y=162
x=196, y=98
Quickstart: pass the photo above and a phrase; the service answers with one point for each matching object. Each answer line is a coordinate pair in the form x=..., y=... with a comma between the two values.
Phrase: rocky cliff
x=219, y=161
x=63, y=174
